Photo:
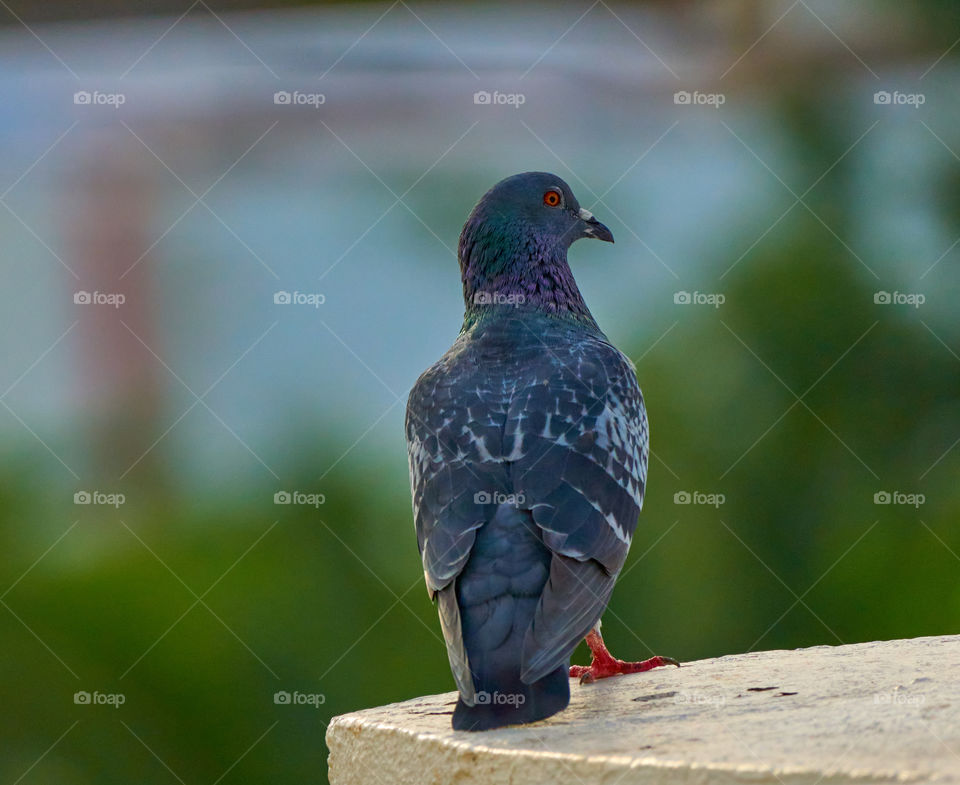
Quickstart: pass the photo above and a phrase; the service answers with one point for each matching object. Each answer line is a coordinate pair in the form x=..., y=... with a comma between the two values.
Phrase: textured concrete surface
x=870, y=712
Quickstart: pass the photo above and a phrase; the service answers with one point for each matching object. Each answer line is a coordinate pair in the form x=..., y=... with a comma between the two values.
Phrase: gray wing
x=453, y=439
x=580, y=447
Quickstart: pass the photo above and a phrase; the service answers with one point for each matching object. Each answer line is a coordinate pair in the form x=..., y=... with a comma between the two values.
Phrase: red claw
x=604, y=664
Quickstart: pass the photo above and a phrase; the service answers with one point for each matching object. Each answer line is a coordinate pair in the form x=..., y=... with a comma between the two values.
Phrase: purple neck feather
x=516, y=268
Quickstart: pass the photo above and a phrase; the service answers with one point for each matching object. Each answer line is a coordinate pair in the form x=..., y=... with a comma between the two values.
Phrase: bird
x=528, y=446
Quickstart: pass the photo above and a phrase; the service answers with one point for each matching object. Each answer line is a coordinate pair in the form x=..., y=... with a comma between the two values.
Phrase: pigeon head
x=513, y=248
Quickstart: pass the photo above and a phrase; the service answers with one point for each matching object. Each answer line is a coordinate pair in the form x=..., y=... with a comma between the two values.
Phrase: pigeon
x=528, y=445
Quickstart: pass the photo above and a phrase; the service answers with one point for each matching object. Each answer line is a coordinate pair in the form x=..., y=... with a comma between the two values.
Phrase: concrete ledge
x=866, y=713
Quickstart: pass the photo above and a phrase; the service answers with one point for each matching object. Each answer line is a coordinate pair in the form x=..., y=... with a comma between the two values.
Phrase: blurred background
x=228, y=251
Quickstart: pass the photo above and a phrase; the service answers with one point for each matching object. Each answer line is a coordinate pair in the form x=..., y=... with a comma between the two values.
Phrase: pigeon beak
x=593, y=228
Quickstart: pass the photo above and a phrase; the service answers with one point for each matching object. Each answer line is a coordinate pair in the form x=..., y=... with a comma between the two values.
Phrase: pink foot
x=605, y=664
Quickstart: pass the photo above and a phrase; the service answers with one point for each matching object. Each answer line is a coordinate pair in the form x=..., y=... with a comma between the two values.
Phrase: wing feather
x=563, y=428
x=453, y=438
x=583, y=477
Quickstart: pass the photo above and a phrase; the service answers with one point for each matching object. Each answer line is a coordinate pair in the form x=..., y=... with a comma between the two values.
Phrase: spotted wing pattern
x=548, y=415
x=578, y=434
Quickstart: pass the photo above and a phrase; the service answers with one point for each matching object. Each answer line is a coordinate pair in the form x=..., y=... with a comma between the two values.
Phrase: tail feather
x=452, y=633
x=514, y=703
x=497, y=595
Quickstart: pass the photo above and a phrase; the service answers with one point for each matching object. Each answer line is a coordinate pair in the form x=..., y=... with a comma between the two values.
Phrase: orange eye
x=551, y=199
